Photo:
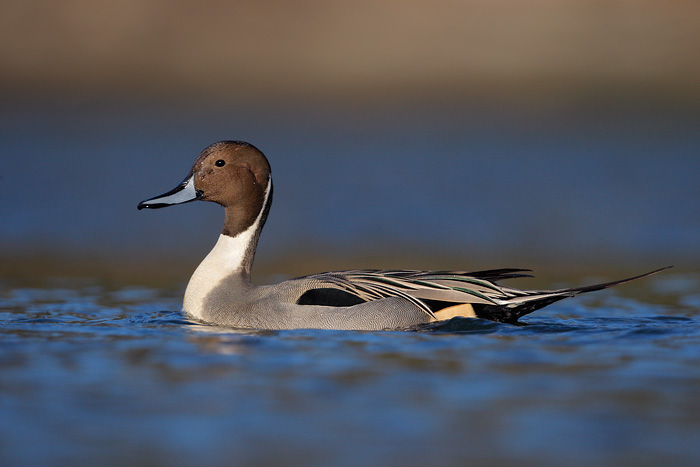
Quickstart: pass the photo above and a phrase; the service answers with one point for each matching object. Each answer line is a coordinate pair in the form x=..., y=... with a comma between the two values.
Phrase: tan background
x=543, y=49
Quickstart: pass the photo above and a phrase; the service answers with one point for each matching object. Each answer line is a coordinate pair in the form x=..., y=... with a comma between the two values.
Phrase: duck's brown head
x=233, y=174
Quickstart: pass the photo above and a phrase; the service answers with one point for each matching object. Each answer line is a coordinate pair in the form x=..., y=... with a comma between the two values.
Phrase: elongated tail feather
x=530, y=301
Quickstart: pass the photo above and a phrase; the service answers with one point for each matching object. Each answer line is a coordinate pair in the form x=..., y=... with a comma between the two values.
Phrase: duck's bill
x=183, y=193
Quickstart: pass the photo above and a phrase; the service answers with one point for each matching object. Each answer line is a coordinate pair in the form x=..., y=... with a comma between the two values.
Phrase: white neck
x=230, y=256
x=224, y=260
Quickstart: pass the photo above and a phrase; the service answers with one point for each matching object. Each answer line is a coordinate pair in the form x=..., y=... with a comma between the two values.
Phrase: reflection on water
x=116, y=375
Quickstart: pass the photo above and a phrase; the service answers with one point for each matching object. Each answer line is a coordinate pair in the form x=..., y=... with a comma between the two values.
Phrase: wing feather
x=461, y=287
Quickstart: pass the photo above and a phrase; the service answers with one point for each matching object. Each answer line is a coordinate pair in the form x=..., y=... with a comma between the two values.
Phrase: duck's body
x=237, y=176
x=220, y=291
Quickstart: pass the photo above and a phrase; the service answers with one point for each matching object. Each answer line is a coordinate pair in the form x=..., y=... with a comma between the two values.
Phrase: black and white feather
x=432, y=291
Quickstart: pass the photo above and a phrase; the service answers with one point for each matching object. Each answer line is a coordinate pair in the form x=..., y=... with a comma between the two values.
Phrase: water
x=506, y=188
x=98, y=367
x=94, y=373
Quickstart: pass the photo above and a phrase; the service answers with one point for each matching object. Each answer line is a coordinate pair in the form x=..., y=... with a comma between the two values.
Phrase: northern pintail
x=237, y=176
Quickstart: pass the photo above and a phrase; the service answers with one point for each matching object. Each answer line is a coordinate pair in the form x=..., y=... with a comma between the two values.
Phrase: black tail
x=530, y=301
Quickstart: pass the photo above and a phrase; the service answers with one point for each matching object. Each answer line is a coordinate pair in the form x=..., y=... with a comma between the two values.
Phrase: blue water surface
x=94, y=374
x=473, y=182
x=108, y=372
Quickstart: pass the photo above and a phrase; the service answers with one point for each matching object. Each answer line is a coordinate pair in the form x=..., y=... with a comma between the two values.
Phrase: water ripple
x=87, y=368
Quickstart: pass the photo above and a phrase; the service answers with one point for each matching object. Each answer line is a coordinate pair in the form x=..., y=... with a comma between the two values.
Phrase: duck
x=237, y=176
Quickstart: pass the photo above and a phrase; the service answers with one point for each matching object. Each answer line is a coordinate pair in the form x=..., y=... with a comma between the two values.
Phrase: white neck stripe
x=229, y=256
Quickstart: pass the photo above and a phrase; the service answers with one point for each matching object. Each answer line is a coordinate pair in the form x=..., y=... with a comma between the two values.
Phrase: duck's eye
x=220, y=163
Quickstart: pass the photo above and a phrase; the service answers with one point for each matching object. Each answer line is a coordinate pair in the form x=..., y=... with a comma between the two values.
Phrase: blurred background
x=559, y=135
